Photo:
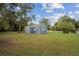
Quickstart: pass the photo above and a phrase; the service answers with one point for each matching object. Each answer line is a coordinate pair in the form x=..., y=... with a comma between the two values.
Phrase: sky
x=53, y=11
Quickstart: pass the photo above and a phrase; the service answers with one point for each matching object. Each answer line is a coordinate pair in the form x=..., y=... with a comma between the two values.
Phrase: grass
x=53, y=44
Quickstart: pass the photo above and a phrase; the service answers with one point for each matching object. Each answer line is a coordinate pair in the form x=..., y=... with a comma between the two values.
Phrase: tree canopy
x=14, y=16
x=46, y=22
x=65, y=23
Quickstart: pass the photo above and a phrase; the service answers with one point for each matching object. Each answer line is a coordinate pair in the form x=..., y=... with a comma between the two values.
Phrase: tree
x=9, y=15
x=46, y=22
x=24, y=9
x=65, y=24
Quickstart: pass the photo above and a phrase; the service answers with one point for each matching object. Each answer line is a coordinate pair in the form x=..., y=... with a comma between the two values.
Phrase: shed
x=36, y=29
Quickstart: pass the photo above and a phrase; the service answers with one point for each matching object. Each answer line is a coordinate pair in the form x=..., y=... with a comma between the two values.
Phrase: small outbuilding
x=36, y=29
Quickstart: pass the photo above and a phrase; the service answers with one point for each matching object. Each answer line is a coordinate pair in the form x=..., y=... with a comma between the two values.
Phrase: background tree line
x=15, y=16
x=66, y=24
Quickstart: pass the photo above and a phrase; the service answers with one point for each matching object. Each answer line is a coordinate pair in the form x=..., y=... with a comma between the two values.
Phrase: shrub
x=65, y=30
x=73, y=31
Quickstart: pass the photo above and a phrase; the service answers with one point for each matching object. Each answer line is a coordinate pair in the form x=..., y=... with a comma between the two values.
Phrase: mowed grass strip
x=53, y=43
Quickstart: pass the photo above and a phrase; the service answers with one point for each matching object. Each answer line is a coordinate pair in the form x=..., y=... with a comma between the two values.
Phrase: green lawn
x=53, y=43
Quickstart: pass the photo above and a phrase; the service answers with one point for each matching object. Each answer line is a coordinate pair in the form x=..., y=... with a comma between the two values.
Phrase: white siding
x=40, y=29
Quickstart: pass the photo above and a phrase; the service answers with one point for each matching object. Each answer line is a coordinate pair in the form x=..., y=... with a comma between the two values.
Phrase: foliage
x=10, y=12
x=65, y=24
x=76, y=25
x=46, y=22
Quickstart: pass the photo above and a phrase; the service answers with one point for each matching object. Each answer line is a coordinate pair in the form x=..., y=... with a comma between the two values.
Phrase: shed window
x=43, y=28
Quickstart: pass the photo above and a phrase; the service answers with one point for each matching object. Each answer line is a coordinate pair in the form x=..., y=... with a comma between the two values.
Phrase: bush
x=65, y=30
x=73, y=31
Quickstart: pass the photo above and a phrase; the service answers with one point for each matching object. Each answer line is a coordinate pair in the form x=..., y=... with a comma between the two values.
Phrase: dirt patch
x=9, y=46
